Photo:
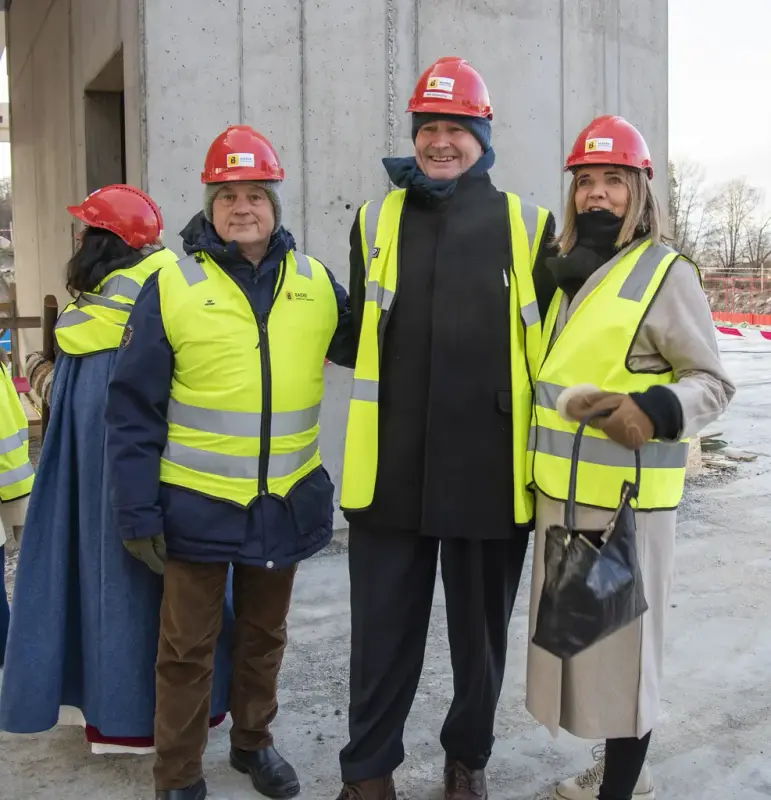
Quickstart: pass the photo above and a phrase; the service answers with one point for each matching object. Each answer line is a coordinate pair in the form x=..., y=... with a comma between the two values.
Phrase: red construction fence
x=739, y=298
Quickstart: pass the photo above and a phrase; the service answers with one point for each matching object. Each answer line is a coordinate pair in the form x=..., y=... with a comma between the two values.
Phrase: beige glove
x=577, y=402
x=626, y=425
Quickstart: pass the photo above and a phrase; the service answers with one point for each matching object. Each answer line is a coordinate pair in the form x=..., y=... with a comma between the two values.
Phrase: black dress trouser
x=392, y=587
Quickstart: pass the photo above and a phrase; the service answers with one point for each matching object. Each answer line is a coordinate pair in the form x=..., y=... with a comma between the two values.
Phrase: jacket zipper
x=263, y=345
x=262, y=328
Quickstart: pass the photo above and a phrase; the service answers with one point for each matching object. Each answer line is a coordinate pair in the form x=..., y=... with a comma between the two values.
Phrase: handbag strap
x=570, y=506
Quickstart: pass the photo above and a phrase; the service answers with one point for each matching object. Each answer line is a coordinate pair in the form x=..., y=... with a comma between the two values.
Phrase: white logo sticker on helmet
x=442, y=84
x=599, y=146
x=240, y=159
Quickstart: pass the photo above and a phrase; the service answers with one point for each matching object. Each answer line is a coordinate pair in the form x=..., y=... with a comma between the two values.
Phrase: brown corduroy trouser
x=191, y=619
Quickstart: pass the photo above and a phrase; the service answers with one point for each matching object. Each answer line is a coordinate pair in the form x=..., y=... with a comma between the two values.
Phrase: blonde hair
x=642, y=213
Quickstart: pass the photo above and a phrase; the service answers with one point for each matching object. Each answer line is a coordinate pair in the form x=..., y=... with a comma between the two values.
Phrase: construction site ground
x=714, y=742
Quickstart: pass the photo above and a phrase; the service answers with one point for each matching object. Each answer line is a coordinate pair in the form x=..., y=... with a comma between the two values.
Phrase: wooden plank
x=17, y=323
x=33, y=418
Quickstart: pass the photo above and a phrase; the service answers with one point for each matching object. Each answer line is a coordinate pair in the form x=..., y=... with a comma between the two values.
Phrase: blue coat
x=273, y=531
x=85, y=614
x=5, y=614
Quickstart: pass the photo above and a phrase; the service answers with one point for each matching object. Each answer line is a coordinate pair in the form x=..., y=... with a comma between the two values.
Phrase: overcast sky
x=719, y=89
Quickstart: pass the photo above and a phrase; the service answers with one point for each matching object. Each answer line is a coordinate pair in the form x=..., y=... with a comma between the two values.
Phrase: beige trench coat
x=612, y=690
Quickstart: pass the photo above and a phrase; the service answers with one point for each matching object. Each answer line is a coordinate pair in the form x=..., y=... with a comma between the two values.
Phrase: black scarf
x=597, y=232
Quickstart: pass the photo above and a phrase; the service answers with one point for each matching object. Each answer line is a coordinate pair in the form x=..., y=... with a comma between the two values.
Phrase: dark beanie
x=479, y=127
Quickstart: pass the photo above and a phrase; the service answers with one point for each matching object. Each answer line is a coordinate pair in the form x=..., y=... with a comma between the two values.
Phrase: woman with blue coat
x=83, y=634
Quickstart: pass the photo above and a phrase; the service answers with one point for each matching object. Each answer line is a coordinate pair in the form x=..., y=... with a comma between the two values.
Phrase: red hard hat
x=611, y=140
x=241, y=154
x=125, y=210
x=451, y=86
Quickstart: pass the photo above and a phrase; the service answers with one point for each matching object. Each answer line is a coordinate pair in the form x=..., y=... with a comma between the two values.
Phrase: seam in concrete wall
x=142, y=99
x=618, y=59
x=303, y=130
x=73, y=134
x=241, y=97
x=390, y=76
x=562, y=101
x=416, y=41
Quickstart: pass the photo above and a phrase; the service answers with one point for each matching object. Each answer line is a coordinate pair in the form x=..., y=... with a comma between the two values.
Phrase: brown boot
x=461, y=783
x=376, y=789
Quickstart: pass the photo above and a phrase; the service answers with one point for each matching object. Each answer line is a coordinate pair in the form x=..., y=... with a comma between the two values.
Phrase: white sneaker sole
x=651, y=795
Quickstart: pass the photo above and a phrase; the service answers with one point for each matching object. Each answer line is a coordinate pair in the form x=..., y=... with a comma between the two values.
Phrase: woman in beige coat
x=643, y=349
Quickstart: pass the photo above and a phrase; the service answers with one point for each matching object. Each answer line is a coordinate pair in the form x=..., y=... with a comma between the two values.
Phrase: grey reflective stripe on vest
x=191, y=270
x=17, y=474
x=365, y=390
x=241, y=423
x=13, y=442
x=303, y=265
x=371, y=216
x=120, y=285
x=604, y=452
x=530, y=314
x=72, y=317
x=95, y=300
x=227, y=466
x=643, y=272
x=376, y=293
x=531, y=439
x=546, y=394
x=530, y=218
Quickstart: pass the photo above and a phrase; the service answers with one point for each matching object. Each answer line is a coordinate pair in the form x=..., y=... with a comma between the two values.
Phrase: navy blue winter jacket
x=272, y=532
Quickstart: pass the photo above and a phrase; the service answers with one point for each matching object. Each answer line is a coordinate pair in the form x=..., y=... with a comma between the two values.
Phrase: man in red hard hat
x=213, y=420
x=448, y=287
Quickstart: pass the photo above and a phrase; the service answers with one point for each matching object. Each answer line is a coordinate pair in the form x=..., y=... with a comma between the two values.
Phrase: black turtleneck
x=597, y=233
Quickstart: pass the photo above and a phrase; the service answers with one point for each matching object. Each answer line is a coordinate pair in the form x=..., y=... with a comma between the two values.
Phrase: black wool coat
x=445, y=461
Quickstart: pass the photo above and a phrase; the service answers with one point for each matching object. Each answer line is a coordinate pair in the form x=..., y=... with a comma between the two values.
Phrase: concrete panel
x=55, y=172
x=273, y=77
x=25, y=211
x=516, y=46
x=644, y=66
x=96, y=29
x=592, y=79
x=192, y=68
x=25, y=19
x=133, y=90
x=347, y=96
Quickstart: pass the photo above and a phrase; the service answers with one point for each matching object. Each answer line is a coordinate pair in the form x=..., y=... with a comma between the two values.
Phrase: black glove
x=151, y=550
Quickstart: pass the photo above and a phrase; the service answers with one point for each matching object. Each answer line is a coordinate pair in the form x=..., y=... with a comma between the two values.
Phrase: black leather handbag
x=593, y=585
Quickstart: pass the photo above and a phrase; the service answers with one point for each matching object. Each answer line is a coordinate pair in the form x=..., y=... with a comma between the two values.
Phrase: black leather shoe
x=195, y=792
x=271, y=775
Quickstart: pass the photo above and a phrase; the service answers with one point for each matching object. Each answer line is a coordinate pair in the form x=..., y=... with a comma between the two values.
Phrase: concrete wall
x=56, y=49
x=329, y=82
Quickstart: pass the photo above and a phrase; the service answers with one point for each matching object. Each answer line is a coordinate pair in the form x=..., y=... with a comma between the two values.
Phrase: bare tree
x=730, y=213
x=686, y=206
x=758, y=246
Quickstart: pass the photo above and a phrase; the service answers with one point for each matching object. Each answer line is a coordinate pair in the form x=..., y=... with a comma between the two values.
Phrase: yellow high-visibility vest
x=593, y=348
x=95, y=321
x=380, y=225
x=246, y=392
x=16, y=473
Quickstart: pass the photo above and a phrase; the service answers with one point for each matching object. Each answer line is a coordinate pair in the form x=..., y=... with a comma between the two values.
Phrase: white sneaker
x=586, y=786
